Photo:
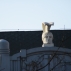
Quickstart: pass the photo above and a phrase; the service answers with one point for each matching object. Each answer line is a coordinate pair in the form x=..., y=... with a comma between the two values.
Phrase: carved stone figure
x=47, y=36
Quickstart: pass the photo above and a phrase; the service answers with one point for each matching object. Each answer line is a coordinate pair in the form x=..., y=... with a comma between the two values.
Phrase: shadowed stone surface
x=31, y=39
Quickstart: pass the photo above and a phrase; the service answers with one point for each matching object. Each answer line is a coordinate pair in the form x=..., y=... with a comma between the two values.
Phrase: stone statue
x=47, y=36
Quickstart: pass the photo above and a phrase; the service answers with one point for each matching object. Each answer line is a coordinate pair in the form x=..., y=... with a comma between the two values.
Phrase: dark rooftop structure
x=32, y=39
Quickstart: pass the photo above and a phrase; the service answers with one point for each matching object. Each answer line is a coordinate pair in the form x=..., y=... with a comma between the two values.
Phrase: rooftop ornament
x=47, y=36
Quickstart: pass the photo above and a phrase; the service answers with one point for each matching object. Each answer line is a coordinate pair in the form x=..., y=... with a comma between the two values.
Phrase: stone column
x=46, y=59
x=4, y=55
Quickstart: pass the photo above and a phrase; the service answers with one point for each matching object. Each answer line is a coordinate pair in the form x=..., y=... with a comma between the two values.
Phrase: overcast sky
x=29, y=14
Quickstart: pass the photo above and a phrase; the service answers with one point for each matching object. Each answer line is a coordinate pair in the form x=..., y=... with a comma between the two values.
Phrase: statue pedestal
x=48, y=45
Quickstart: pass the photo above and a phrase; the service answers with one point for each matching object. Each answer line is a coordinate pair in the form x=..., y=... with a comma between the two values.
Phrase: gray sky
x=29, y=14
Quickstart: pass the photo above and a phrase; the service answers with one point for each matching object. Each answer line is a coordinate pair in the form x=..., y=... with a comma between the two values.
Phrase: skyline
x=29, y=15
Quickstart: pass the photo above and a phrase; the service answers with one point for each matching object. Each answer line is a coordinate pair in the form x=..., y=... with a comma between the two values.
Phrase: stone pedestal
x=47, y=45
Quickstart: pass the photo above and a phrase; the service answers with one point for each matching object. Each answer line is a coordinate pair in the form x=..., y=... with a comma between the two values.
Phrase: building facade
x=45, y=58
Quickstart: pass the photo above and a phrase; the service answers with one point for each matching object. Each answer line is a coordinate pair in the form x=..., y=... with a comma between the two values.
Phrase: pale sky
x=29, y=14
